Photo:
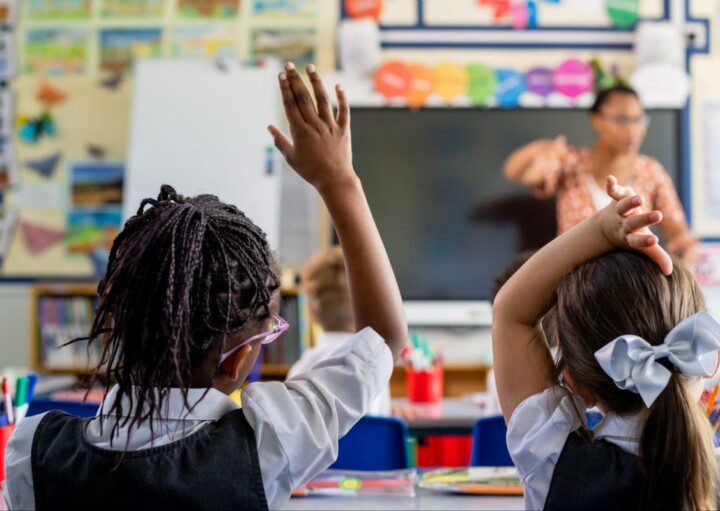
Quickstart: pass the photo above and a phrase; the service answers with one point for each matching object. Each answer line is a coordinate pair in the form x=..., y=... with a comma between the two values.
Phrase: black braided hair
x=182, y=275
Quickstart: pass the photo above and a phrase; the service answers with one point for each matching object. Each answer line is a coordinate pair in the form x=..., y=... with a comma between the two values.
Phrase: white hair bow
x=632, y=362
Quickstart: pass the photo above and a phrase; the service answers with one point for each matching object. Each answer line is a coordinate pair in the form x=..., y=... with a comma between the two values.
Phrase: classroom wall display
x=363, y=8
x=75, y=61
x=297, y=45
x=283, y=8
x=132, y=8
x=571, y=83
x=56, y=51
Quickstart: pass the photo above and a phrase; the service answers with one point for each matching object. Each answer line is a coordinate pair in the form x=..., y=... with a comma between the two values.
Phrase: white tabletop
x=423, y=500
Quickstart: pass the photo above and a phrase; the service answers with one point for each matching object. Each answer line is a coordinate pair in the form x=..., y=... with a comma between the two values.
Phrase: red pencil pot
x=5, y=433
x=424, y=386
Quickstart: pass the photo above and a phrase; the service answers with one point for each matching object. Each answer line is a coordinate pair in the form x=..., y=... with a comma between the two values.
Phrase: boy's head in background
x=325, y=283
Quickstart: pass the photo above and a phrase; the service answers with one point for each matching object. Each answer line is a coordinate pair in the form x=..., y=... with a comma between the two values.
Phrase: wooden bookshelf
x=289, y=288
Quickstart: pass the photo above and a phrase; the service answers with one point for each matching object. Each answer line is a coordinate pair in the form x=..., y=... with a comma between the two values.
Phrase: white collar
x=205, y=404
x=623, y=431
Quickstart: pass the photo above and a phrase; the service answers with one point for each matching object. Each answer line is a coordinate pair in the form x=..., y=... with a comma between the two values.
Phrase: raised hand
x=320, y=150
x=548, y=164
x=627, y=225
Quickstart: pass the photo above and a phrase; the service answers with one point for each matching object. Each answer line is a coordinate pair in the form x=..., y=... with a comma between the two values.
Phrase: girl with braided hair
x=190, y=295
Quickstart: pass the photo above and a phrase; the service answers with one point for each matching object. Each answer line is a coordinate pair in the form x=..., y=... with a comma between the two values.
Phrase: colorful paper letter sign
x=392, y=79
x=510, y=85
x=574, y=78
x=451, y=81
x=623, y=13
x=363, y=8
x=539, y=80
x=421, y=85
x=482, y=83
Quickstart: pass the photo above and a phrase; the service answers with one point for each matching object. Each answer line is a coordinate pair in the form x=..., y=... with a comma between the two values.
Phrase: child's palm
x=320, y=149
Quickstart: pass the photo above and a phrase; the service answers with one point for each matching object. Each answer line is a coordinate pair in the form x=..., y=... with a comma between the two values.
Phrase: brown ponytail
x=625, y=293
x=676, y=452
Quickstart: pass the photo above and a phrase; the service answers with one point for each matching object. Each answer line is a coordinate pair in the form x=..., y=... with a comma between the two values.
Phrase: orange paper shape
x=363, y=8
x=49, y=95
x=422, y=83
x=39, y=238
x=392, y=79
x=451, y=81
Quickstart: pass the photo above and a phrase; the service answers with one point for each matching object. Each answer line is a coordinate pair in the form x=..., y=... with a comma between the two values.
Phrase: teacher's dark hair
x=605, y=94
x=183, y=274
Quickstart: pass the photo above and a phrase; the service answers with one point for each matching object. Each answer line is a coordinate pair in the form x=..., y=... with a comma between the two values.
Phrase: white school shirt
x=326, y=345
x=296, y=423
x=537, y=432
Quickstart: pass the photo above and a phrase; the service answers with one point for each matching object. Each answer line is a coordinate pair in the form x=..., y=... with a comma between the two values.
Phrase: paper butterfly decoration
x=32, y=129
x=45, y=166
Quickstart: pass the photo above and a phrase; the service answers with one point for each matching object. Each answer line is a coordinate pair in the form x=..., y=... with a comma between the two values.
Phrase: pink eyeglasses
x=267, y=337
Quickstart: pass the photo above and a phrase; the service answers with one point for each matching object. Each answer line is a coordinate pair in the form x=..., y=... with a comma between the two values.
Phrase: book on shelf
x=288, y=348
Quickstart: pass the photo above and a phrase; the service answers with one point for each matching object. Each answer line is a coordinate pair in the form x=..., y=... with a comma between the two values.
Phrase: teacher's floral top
x=579, y=196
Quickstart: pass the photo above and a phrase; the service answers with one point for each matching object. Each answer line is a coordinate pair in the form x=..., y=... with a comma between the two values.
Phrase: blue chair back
x=489, y=448
x=374, y=443
x=77, y=408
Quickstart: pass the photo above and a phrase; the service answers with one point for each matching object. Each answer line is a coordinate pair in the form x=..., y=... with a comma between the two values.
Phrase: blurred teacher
x=577, y=175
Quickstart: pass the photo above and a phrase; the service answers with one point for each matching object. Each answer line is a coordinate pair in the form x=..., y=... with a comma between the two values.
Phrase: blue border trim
x=420, y=23
x=511, y=46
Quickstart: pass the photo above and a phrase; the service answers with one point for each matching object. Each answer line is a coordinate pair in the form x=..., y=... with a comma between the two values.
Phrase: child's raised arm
x=523, y=365
x=320, y=153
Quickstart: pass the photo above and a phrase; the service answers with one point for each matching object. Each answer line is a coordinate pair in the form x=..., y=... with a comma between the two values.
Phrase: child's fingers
x=660, y=257
x=283, y=143
x=640, y=240
x=637, y=222
x=627, y=204
x=321, y=96
x=343, y=114
x=291, y=108
x=302, y=96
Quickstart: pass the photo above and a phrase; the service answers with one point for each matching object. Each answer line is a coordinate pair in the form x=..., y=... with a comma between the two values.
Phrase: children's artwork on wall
x=96, y=184
x=45, y=167
x=56, y=51
x=91, y=229
x=208, y=8
x=280, y=8
x=204, y=41
x=113, y=82
x=49, y=95
x=33, y=129
x=38, y=238
x=132, y=8
x=119, y=47
x=95, y=216
x=57, y=9
x=294, y=44
x=96, y=151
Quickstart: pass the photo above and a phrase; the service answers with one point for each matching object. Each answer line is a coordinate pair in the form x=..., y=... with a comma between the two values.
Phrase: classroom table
x=453, y=416
x=423, y=499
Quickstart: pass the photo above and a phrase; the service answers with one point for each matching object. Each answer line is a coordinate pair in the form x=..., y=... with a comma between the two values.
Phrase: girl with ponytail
x=635, y=341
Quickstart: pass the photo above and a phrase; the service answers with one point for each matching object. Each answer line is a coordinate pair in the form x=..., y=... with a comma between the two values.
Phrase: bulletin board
x=72, y=97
